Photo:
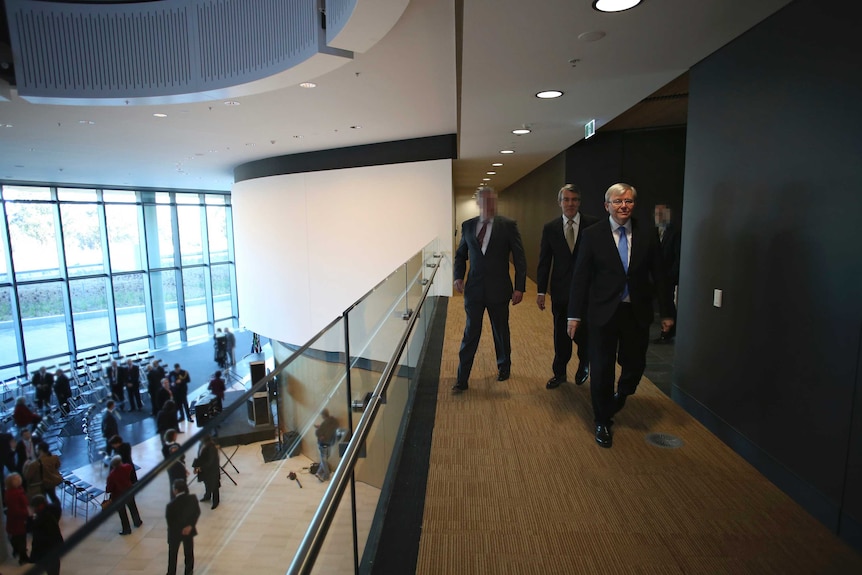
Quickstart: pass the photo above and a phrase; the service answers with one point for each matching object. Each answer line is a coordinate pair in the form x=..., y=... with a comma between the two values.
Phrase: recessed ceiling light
x=160, y=115
x=507, y=151
x=521, y=131
x=614, y=5
x=299, y=136
x=491, y=173
x=250, y=144
x=355, y=127
x=591, y=36
x=7, y=125
x=496, y=164
x=308, y=85
x=86, y=122
x=486, y=179
x=231, y=103
x=549, y=94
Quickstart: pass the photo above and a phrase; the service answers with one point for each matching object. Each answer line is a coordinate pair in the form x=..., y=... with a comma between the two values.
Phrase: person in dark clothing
x=670, y=242
x=43, y=383
x=110, y=425
x=63, y=390
x=117, y=381
x=44, y=524
x=167, y=419
x=8, y=460
x=182, y=515
x=180, y=381
x=163, y=396
x=133, y=385
x=16, y=516
x=206, y=465
x=155, y=375
x=176, y=470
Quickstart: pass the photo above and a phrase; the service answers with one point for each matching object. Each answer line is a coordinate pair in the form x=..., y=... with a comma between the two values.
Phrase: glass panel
x=218, y=234
x=123, y=196
x=221, y=278
x=124, y=237
x=165, y=312
x=82, y=239
x=134, y=346
x=163, y=197
x=4, y=265
x=188, y=198
x=191, y=246
x=73, y=195
x=199, y=332
x=216, y=199
x=26, y=193
x=195, y=294
x=34, y=240
x=90, y=312
x=44, y=320
x=129, y=294
x=161, y=252
x=8, y=347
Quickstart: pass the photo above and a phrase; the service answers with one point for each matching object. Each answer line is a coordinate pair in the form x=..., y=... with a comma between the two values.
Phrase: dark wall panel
x=771, y=201
x=532, y=201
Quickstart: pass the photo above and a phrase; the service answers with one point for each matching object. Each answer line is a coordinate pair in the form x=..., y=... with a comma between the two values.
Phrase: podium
x=258, y=409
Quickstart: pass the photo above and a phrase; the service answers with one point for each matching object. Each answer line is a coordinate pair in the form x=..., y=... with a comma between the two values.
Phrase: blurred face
x=620, y=207
x=487, y=201
x=570, y=203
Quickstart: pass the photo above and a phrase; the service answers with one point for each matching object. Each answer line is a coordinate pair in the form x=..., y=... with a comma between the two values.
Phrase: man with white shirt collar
x=558, y=252
x=487, y=241
x=618, y=273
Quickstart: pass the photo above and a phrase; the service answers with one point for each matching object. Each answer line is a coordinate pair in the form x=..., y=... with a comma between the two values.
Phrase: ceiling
x=469, y=67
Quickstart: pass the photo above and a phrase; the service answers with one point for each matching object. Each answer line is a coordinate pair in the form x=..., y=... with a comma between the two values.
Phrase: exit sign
x=589, y=129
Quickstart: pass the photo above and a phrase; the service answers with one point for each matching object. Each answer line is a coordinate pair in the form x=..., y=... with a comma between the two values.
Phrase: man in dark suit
x=557, y=254
x=618, y=273
x=117, y=383
x=133, y=385
x=669, y=238
x=182, y=515
x=487, y=241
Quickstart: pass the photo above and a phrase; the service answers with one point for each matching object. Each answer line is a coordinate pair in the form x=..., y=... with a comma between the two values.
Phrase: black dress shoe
x=582, y=375
x=503, y=375
x=459, y=387
x=555, y=382
x=125, y=532
x=619, y=401
x=603, y=436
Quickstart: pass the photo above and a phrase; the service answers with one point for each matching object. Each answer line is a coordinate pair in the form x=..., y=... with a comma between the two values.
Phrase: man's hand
x=459, y=286
x=517, y=296
x=187, y=530
x=540, y=301
x=572, y=327
x=666, y=323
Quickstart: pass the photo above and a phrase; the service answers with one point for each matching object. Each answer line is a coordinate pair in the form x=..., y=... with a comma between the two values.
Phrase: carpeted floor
x=517, y=484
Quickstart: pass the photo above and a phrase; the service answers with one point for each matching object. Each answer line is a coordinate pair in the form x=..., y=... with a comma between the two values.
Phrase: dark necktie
x=570, y=235
x=482, y=230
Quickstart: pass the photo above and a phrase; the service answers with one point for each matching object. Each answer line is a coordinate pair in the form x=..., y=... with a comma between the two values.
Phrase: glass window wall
x=86, y=270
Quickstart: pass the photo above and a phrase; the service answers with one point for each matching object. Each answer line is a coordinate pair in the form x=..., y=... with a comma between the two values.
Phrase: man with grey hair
x=487, y=241
x=618, y=273
x=558, y=251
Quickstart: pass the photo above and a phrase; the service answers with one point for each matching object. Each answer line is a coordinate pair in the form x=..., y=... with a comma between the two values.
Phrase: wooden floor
x=517, y=483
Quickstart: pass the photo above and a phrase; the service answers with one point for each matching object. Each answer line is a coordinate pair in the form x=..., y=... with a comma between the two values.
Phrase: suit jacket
x=670, y=247
x=555, y=261
x=489, y=280
x=599, y=277
x=182, y=511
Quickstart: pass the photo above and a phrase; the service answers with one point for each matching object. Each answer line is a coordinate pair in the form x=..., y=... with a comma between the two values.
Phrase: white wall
x=309, y=245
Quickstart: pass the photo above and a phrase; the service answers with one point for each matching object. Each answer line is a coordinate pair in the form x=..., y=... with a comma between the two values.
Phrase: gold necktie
x=570, y=235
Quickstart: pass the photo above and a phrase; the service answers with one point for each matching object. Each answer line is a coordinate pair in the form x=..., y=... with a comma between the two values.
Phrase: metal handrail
x=311, y=543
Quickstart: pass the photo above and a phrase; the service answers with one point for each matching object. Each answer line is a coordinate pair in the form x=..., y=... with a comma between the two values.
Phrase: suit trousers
x=498, y=313
x=563, y=343
x=621, y=340
x=188, y=542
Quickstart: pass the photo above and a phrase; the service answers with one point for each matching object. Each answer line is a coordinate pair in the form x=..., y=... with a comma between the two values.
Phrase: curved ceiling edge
x=172, y=51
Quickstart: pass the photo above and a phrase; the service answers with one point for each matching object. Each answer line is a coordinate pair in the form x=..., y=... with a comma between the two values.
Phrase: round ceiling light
x=521, y=131
x=507, y=151
x=496, y=164
x=614, y=5
x=308, y=85
x=549, y=94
